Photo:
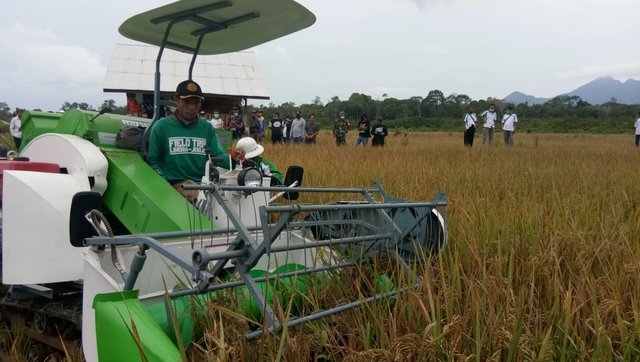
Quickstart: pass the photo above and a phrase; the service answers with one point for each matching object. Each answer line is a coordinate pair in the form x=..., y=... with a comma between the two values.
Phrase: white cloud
x=616, y=70
x=41, y=56
x=42, y=60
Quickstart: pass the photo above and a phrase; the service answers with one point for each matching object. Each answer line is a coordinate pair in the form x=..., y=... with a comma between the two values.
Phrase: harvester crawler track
x=53, y=320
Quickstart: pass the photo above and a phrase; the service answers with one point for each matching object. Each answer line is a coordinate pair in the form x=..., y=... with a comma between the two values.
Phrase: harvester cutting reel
x=288, y=243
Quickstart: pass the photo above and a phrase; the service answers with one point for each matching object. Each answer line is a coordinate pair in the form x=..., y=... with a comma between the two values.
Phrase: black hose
x=99, y=220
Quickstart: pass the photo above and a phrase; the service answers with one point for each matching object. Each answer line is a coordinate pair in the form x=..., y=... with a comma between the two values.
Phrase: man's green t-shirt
x=179, y=152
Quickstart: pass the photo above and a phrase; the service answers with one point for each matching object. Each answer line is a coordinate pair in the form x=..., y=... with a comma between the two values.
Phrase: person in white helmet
x=252, y=158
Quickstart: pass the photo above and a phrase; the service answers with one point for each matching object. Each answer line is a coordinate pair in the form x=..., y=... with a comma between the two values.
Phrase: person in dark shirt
x=364, y=131
x=236, y=126
x=379, y=132
x=287, y=129
x=276, y=126
x=311, y=130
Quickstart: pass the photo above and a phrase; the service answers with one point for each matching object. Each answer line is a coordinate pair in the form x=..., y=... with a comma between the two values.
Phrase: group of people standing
x=301, y=131
x=490, y=118
x=296, y=131
x=341, y=126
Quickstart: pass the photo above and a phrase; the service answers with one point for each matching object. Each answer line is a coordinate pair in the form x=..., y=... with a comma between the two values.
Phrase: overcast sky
x=57, y=51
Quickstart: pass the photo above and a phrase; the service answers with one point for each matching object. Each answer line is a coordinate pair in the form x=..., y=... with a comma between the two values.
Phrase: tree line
x=437, y=112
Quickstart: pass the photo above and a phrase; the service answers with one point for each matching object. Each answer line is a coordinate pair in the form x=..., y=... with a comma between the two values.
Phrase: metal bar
x=202, y=257
x=156, y=81
x=235, y=219
x=215, y=26
x=242, y=240
x=275, y=197
x=140, y=240
x=260, y=299
x=226, y=285
x=419, y=218
x=206, y=187
x=185, y=14
x=385, y=216
x=327, y=312
x=299, y=208
x=176, y=234
x=269, y=234
x=195, y=55
x=329, y=222
x=229, y=230
x=351, y=240
x=178, y=46
x=23, y=291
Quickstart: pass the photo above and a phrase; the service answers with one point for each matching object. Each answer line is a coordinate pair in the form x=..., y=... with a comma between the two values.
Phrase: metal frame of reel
x=245, y=250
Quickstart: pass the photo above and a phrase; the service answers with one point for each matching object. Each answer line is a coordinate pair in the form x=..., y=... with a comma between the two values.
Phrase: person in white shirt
x=14, y=128
x=509, y=121
x=470, y=120
x=637, y=125
x=490, y=117
x=216, y=121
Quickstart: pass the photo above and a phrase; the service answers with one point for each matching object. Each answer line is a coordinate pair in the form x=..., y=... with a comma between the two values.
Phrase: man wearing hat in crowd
x=180, y=143
x=340, y=128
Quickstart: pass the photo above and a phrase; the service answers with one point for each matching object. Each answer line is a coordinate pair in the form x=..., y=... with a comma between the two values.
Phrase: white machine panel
x=35, y=240
x=81, y=158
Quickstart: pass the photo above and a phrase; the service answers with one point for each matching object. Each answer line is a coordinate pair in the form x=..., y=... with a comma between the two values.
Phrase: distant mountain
x=598, y=91
x=519, y=97
x=602, y=90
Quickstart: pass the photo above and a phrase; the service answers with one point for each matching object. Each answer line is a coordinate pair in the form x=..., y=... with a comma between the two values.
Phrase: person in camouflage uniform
x=340, y=128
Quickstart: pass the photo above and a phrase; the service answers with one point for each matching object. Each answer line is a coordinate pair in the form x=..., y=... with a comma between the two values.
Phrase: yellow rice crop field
x=543, y=261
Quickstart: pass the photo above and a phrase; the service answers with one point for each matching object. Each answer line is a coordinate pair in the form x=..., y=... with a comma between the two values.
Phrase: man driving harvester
x=180, y=143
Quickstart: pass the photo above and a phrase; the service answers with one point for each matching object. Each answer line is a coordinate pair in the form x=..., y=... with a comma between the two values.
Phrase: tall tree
x=5, y=111
x=110, y=104
x=415, y=102
x=435, y=98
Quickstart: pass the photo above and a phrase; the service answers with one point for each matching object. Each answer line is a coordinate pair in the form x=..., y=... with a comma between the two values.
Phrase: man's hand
x=236, y=154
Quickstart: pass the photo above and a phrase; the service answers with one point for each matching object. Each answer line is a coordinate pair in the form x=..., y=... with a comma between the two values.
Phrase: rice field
x=543, y=261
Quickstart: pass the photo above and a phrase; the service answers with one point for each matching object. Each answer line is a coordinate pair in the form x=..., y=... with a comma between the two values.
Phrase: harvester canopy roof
x=131, y=69
x=226, y=26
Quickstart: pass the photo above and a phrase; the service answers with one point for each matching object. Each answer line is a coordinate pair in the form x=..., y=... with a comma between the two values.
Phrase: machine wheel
x=40, y=322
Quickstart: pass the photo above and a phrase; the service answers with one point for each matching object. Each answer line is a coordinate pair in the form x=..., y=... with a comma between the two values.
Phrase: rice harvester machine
x=94, y=240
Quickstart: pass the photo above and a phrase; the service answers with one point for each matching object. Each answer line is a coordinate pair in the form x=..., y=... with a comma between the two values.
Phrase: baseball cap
x=188, y=89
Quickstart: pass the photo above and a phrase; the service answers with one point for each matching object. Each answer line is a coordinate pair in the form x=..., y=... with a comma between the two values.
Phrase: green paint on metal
x=101, y=130
x=184, y=309
x=241, y=25
x=35, y=124
x=145, y=202
x=225, y=137
x=291, y=289
x=141, y=199
x=126, y=331
x=284, y=290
